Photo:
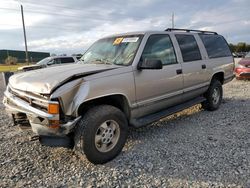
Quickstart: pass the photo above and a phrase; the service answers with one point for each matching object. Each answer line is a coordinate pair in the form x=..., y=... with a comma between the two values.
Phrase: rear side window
x=189, y=48
x=67, y=60
x=159, y=47
x=215, y=45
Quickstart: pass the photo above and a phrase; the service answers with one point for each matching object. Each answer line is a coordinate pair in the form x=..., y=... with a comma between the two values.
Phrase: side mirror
x=150, y=64
x=51, y=62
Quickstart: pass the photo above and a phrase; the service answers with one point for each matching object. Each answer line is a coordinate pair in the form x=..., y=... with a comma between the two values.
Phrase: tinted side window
x=189, y=48
x=159, y=47
x=215, y=45
x=67, y=60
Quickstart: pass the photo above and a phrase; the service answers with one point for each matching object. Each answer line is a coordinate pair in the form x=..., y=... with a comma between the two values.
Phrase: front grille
x=19, y=96
x=34, y=103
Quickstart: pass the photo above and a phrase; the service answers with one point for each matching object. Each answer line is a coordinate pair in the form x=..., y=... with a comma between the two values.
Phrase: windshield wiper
x=102, y=61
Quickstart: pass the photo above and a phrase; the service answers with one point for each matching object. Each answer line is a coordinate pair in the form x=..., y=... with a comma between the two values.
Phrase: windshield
x=248, y=54
x=44, y=61
x=116, y=50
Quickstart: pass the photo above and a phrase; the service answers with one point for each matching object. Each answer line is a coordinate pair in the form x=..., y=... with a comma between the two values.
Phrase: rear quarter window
x=215, y=45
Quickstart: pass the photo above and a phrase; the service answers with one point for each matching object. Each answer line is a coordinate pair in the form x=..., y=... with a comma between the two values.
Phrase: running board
x=140, y=122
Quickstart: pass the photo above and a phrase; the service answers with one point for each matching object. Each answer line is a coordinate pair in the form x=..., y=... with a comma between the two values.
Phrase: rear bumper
x=38, y=119
x=242, y=73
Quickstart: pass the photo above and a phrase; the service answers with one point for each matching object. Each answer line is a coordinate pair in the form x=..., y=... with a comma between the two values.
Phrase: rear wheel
x=213, y=96
x=101, y=133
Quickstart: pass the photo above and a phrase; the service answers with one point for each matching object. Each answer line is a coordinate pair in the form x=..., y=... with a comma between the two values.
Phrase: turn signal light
x=54, y=124
x=53, y=108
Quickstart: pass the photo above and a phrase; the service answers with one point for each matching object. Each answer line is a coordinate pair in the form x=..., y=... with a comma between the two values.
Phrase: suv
x=50, y=61
x=131, y=79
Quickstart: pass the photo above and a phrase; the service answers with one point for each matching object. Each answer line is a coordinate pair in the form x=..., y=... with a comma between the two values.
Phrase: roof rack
x=191, y=30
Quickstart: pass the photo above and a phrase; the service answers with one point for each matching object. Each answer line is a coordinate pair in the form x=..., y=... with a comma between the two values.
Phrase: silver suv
x=50, y=61
x=130, y=79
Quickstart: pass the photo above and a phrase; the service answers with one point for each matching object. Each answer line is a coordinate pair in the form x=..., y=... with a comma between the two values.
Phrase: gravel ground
x=193, y=148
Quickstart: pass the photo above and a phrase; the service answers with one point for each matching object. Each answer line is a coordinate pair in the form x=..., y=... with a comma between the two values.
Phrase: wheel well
x=118, y=101
x=219, y=76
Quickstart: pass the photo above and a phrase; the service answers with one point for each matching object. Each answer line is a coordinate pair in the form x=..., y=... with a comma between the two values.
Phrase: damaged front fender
x=71, y=95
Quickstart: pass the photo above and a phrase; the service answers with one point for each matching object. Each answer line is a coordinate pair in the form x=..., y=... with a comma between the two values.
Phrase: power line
x=50, y=13
x=9, y=9
x=39, y=27
x=45, y=26
x=40, y=12
x=51, y=5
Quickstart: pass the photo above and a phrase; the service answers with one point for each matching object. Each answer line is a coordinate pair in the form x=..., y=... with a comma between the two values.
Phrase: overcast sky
x=70, y=26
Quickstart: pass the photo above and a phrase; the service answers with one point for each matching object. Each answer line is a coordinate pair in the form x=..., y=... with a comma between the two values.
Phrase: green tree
x=241, y=47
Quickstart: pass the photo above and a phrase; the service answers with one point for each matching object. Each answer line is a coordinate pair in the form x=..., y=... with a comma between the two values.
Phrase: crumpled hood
x=43, y=81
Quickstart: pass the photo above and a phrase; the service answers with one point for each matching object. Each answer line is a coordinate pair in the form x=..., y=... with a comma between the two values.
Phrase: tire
x=213, y=96
x=101, y=133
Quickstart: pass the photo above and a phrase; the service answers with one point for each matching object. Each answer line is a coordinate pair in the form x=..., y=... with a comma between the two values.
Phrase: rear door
x=65, y=60
x=159, y=89
x=193, y=66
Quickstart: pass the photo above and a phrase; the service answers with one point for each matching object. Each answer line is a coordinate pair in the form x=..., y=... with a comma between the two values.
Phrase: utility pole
x=172, y=20
x=25, y=40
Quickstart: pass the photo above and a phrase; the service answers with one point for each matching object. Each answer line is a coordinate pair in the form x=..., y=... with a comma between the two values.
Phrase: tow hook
x=34, y=138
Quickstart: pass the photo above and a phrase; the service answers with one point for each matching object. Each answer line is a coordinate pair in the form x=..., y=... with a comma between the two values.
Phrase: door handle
x=203, y=66
x=179, y=71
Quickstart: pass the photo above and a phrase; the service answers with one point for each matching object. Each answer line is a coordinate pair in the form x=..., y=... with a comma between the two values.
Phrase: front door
x=159, y=89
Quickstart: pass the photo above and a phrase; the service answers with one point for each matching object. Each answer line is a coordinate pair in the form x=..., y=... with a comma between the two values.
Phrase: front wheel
x=101, y=133
x=213, y=96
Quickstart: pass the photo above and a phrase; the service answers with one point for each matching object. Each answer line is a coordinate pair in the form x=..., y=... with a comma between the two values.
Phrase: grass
x=10, y=68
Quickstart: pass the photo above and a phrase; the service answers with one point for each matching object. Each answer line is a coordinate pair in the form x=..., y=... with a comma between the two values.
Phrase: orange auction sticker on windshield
x=118, y=41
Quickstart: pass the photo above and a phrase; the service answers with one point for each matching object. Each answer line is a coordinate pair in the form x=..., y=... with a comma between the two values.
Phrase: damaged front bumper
x=21, y=104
